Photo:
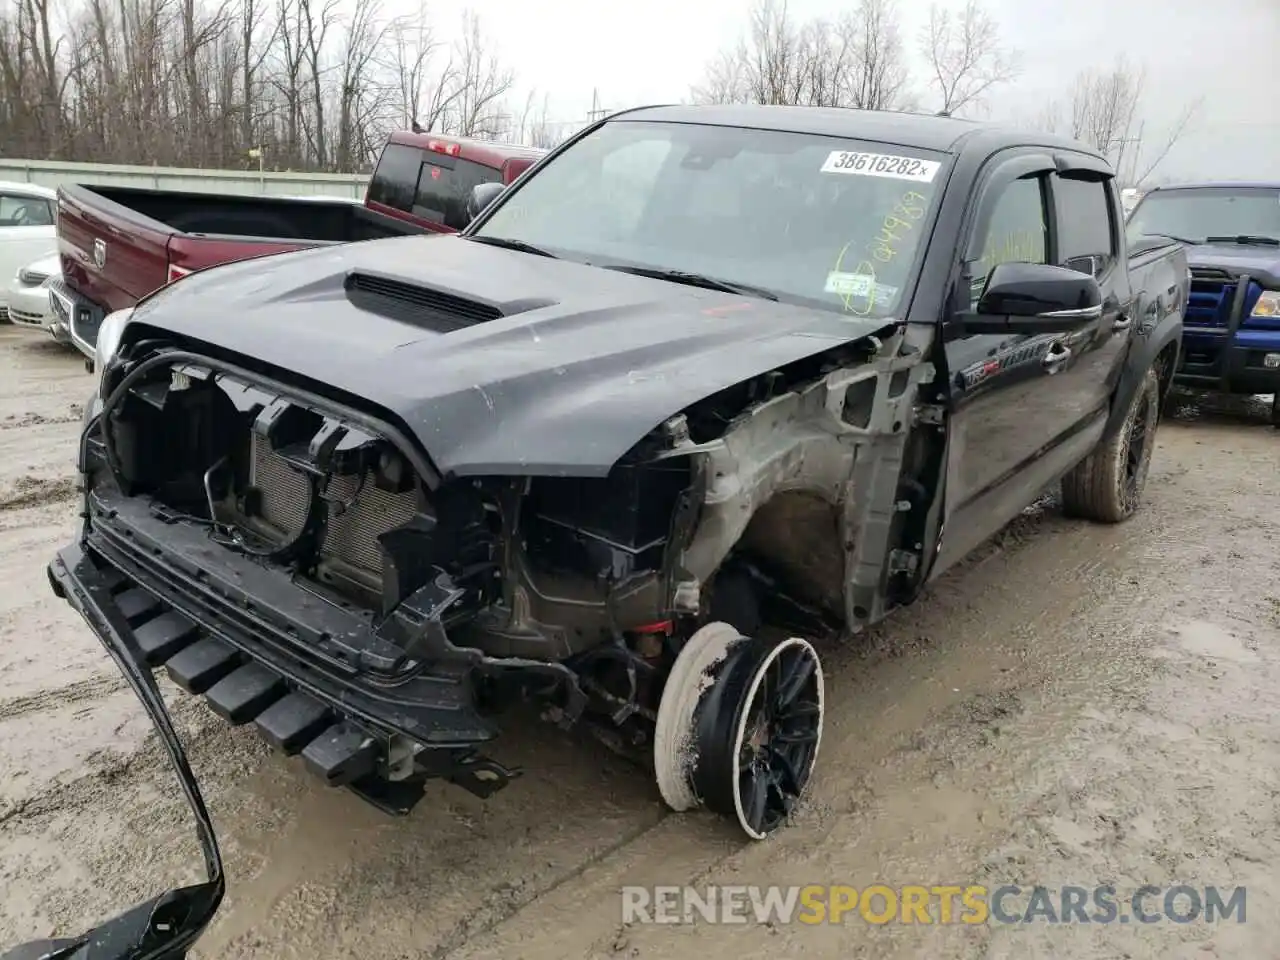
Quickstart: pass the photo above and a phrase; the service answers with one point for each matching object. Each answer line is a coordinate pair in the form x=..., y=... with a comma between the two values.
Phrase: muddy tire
x=1107, y=485
x=739, y=727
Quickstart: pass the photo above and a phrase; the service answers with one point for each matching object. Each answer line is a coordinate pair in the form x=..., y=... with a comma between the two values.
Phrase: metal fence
x=55, y=173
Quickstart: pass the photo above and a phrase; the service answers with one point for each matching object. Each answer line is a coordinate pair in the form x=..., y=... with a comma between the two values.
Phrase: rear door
x=1019, y=403
x=1089, y=225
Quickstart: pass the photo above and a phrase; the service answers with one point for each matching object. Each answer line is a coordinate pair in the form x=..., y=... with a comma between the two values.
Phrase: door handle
x=1122, y=323
x=1059, y=353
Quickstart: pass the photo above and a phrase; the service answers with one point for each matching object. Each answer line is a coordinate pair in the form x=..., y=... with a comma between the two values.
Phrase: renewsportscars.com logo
x=933, y=904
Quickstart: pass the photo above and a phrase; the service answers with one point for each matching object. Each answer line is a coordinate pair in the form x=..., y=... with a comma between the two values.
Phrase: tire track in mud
x=108, y=768
x=27, y=420
x=93, y=688
x=28, y=492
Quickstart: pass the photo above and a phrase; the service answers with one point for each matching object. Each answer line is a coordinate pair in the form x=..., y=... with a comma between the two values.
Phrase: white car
x=26, y=230
x=28, y=297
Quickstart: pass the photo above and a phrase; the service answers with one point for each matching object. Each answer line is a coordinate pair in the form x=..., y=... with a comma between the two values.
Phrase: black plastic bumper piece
x=244, y=693
x=292, y=722
x=136, y=604
x=242, y=689
x=341, y=755
x=201, y=665
x=163, y=636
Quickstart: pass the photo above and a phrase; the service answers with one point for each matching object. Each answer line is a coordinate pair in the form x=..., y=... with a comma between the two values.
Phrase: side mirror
x=1035, y=298
x=482, y=194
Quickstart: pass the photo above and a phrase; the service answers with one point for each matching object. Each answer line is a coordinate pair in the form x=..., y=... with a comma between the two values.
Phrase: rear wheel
x=1107, y=485
x=739, y=727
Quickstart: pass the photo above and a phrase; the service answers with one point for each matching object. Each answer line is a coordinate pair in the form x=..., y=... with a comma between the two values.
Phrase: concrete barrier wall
x=54, y=173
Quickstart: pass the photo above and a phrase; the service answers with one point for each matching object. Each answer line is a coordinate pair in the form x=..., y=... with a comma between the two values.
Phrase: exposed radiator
x=352, y=535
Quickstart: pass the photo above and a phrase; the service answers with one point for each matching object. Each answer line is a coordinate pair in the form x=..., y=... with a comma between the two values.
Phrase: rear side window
x=396, y=176
x=1085, y=240
x=444, y=186
x=19, y=211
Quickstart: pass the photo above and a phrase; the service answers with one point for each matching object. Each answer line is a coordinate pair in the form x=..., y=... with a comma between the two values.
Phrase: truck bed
x=319, y=220
x=118, y=244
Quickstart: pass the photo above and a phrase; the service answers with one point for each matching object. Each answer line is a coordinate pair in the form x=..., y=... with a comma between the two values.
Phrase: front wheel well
x=795, y=537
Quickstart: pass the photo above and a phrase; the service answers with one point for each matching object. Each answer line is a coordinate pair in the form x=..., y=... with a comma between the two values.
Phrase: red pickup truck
x=118, y=244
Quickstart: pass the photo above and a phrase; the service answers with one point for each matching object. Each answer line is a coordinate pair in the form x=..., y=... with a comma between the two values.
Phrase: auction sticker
x=858, y=285
x=850, y=284
x=881, y=165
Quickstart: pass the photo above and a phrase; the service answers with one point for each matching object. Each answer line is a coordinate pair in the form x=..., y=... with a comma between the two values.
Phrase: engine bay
x=544, y=568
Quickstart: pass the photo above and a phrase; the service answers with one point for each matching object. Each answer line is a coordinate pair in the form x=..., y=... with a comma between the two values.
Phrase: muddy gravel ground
x=1078, y=705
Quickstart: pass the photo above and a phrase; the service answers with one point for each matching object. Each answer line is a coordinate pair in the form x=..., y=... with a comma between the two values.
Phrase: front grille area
x=1209, y=304
x=31, y=319
x=1212, y=294
x=352, y=533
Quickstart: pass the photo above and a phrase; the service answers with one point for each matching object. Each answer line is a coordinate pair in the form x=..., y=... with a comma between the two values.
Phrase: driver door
x=1013, y=398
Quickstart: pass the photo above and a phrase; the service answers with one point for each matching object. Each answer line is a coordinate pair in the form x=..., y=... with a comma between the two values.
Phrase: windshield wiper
x=1245, y=238
x=1174, y=236
x=693, y=280
x=507, y=243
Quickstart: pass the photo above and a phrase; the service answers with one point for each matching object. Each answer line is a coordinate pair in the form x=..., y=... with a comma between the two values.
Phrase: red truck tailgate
x=90, y=240
x=114, y=257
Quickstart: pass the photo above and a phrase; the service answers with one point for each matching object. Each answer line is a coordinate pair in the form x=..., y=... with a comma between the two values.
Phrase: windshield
x=807, y=219
x=1192, y=214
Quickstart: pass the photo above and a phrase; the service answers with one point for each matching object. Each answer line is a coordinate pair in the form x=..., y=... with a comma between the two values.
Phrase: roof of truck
x=491, y=153
x=28, y=189
x=943, y=134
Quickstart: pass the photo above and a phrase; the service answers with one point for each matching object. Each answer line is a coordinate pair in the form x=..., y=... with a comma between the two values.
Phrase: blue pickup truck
x=1231, y=336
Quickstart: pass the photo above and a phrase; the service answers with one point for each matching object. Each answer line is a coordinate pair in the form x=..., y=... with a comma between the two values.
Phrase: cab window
x=1016, y=233
x=21, y=211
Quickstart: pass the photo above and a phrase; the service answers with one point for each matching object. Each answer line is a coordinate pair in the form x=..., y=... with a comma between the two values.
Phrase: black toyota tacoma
x=706, y=388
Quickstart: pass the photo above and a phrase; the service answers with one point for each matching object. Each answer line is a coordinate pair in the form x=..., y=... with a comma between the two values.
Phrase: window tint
x=1017, y=232
x=1084, y=225
x=444, y=186
x=395, y=177
x=19, y=211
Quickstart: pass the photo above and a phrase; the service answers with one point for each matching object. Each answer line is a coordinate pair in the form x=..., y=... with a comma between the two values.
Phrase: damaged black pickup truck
x=703, y=389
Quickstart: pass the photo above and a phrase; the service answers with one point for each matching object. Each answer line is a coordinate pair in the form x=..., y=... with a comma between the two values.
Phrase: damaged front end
x=299, y=561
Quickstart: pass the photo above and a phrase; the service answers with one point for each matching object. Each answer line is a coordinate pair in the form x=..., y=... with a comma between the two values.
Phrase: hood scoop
x=418, y=305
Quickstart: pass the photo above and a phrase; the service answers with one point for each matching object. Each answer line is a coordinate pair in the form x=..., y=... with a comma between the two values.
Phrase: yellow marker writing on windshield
x=906, y=211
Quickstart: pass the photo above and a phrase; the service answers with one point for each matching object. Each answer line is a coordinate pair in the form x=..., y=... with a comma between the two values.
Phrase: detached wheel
x=1107, y=485
x=739, y=727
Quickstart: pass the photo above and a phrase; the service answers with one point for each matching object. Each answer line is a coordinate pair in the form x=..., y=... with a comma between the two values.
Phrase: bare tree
x=533, y=127
x=312, y=84
x=966, y=56
x=882, y=80
x=1105, y=112
x=483, y=83
x=856, y=60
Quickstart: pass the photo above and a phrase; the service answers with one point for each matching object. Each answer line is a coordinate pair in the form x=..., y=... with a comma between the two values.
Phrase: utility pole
x=1124, y=143
x=596, y=111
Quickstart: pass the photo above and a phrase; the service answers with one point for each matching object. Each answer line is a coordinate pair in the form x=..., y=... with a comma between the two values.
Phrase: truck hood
x=1261, y=263
x=585, y=363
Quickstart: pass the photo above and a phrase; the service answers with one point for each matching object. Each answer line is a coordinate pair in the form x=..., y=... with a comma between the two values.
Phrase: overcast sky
x=1226, y=51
